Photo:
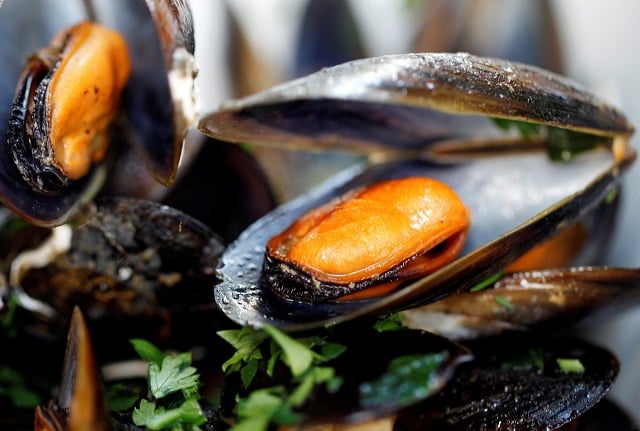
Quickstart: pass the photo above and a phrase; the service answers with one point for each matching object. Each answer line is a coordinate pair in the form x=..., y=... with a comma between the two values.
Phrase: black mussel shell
x=29, y=157
x=523, y=301
x=604, y=416
x=136, y=269
x=409, y=101
x=242, y=193
x=516, y=201
x=529, y=387
x=159, y=114
x=80, y=402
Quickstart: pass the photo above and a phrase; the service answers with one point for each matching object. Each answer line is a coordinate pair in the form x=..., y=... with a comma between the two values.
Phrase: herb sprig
x=303, y=357
x=172, y=399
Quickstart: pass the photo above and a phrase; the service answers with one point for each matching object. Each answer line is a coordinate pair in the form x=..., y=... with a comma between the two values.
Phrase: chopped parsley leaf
x=504, y=302
x=570, y=365
x=391, y=322
x=487, y=282
x=167, y=374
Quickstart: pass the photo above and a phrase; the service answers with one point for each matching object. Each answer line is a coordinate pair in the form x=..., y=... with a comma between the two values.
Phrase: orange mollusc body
x=68, y=96
x=367, y=241
x=84, y=95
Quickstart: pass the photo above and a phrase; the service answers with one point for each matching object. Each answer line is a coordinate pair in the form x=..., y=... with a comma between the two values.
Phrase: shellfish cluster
x=421, y=288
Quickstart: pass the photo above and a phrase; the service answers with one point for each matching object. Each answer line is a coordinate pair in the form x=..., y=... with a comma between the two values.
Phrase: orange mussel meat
x=68, y=96
x=368, y=241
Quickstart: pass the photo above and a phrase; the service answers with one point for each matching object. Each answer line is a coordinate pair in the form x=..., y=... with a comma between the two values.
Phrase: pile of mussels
x=486, y=192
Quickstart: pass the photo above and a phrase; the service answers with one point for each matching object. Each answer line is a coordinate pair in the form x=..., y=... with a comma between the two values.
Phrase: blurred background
x=244, y=46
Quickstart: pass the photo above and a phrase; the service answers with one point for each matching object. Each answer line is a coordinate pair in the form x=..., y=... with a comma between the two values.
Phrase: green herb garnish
x=611, y=196
x=407, y=379
x=147, y=351
x=531, y=360
x=121, y=398
x=14, y=387
x=187, y=416
x=6, y=319
x=504, y=302
x=263, y=407
x=246, y=342
x=570, y=365
x=390, y=322
x=173, y=392
x=303, y=358
x=564, y=145
x=295, y=354
x=174, y=374
x=527, y=130
x=489, y=281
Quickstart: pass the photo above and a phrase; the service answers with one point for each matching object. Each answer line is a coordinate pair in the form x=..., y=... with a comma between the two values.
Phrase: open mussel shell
x=147, y=98
x=527, y=388
x=516, y=201
x=523, y=301
x=80, y=403
x=409, y=101
x=136, y=268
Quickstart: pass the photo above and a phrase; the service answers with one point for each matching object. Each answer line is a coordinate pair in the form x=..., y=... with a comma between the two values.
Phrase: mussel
x=441, y=116
x=136, y=268
x=129, y=81
x=59, y=119
x=368, y=240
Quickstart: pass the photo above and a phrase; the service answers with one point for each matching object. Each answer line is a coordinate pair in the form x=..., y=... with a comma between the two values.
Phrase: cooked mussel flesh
x=368, y=241
x=67, y=97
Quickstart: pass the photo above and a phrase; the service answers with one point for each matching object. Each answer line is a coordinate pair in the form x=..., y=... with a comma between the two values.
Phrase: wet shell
x=409, y=102
x=438, y=116
x=365, y=242
x=516, y=201
x=512, y=385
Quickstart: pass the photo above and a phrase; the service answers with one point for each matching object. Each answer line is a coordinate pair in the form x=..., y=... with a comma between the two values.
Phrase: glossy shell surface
x=407, y=101
x=519, y=386
x=148, y=87
x=523, y=301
